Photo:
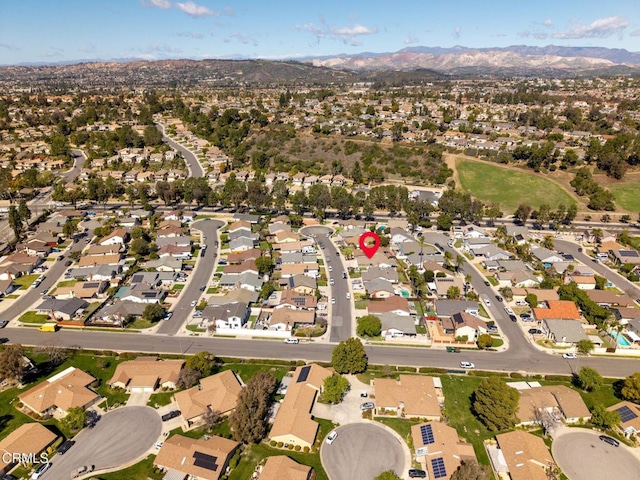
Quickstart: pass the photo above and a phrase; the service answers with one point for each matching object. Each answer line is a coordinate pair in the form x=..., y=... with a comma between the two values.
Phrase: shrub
x=280, y=444
x=273, y=443
x=306, y=449
x=297, y=448
x=290, y=446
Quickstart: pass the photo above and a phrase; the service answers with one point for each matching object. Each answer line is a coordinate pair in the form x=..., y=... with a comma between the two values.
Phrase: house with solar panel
x=439, y=450
x=294, y=424
x=197, y=459
x=629, y=417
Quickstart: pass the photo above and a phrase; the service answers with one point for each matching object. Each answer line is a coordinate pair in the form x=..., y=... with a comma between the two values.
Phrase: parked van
x=49, y=327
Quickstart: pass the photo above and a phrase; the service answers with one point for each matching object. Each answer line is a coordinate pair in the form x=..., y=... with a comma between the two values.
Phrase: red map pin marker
x=369, y=250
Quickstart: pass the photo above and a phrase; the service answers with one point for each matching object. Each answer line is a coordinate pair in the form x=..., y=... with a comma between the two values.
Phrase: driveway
x=362, y=451
x=347, y=411
x=581, y=455
x=120, y=437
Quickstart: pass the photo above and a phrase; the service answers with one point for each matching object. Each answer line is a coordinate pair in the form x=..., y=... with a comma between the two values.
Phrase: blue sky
x=64, y=30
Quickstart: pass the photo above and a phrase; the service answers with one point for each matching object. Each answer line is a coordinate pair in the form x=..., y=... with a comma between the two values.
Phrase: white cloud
x=499, y=35
x=162, y=4
x=244, y=39
x=197, y=36
x=547, y=23
x=410, y=40
x=456, y=32
x=228, y=11
x=635, y=33
x=8, y=46
x=601, y=28
x=194, y=10
x=535, y=34
x=346, y=35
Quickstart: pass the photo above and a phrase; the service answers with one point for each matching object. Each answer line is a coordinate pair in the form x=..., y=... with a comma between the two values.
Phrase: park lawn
x=33, y=317
x=25, y=281
x=509, y=188
x=457, y=404
x=140, y=471
x=626, y=195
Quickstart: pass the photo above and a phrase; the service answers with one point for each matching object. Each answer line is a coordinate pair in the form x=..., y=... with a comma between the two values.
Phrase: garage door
x=142, y=390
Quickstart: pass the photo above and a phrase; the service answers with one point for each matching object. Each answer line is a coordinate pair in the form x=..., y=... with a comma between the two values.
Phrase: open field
x=626, y=194
x=508, y=187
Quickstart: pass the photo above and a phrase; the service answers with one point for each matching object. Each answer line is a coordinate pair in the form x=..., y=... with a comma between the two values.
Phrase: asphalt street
x=362, y=451
x=581, y=455
x=200, y=275
x=342, y=310
x=195, y=169
x=119, y=437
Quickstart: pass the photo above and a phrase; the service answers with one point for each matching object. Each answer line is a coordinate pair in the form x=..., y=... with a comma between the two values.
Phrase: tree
x=69, y=228
x=15, y=222
x=188, y=378
x=444, y=222
x=495, y=404
x=585, y=346
x=522, y=213
x=471, y=470
x=75, y=418
x=603, y=418
x=211, y=418
x=249, y=420
x=388, y=475
x=139, y=246
x=547, y=242
x=264, y=264
x=349, y=357
x=453, y=292
x=485, y=341
x=55, y=354
x=631, y=388
x=369, y=326
x=153, y=312
x=203, y=362
x=11, y=365
x=23, y=210
x=335, y=387
x=531, y=299
x=589, y=379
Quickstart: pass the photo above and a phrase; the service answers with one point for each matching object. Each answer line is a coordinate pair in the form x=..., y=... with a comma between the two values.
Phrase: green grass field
x=626, y=195
x=509, y=188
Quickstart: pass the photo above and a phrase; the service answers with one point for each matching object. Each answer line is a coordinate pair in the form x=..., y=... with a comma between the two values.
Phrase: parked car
x=487, y=283
x=367, y=406
x=521, y=303
x=8, y=476
x=168, y=315
x=487, y=302
x=65, y=446
x=416, y=473
x=499, y=298
x=40, y=471
x=609, y=440
x=344, y=275
x=364, y=394
x=194, y=303
x=468, y=365
x=4, y=323
x=348, y=295
x=333, y=301
x=332, y=282
x=60, y=258
x=535, y=331
x=332, y=437
x=172, y=414
x=68, y=263
x=569, y=356
x=525, y=317
x=291, y=340
x=203, y=288
x=513, y=318
x=82, y=470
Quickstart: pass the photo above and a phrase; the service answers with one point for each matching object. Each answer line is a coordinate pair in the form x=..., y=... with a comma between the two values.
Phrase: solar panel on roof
x=439, y=470
x=626, y=414
x=137, y=278
x=148, y=294
x=205, y=461
x=91, y=285
x=427, y=434
x=304, y=374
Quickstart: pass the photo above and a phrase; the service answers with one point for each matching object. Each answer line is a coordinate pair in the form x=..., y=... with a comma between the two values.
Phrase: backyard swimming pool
x=622, y=341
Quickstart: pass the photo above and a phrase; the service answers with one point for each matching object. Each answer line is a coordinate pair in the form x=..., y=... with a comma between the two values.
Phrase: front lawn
x=33, y=317
x=401, y=425
x=160, y=399
x=140, y=471
x=67, y=283
x=140, y=323
x=25, y=281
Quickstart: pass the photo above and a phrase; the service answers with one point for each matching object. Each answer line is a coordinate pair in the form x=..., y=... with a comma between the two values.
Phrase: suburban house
x=118, y=237
x=557, y=399
x=229, y=315
x=30, y=438
x=629, y=415
x=546, y=256
x=379, y=288
x=410, y=396
x=248, y=280
x=443, y=284
x=281, y=467
x=395, y=304
x=142, y=293
x=95, y=260
x=217, y=393
x=199, y=459
x=522, y=455
x=462, y=324
x=56, y=395
x=287, y=318
x=82, y=290
x=119, y=313
x=297, y=301
x=446, y=308
x=62, y=309
x=146, y=374
x=379, y=273
x=438, y=447
x=294, y=423
x=394, y=325
x=557, y=310
x=301, y=284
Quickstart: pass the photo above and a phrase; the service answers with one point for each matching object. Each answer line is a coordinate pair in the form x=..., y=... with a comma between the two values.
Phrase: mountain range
x=516, y=58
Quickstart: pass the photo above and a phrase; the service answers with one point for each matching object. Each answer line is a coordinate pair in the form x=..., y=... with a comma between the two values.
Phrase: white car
x=291, y=340
x=333, y=301
x=194, y=303
x=348, y=295
x=468, y=365
x=487, y=302
x=569, y=356
x=331, y=437
x=330, y=268
x=40, y=471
